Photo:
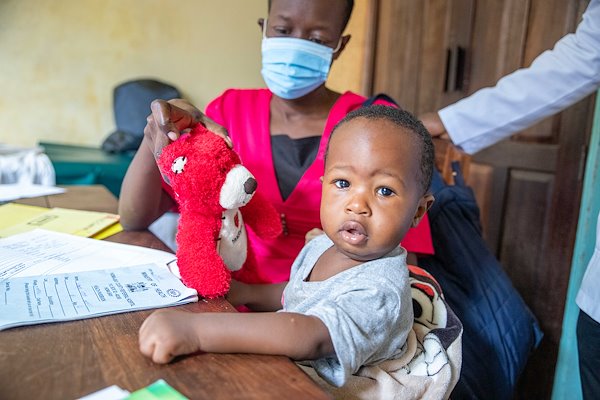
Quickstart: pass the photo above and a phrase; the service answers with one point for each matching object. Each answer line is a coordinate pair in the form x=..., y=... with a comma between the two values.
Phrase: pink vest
x=245, y=114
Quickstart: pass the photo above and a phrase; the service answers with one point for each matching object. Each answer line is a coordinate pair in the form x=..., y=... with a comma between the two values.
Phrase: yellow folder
x=17, y=218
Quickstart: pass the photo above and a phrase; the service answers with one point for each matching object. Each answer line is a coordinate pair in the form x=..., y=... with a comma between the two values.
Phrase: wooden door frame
x=370, y=46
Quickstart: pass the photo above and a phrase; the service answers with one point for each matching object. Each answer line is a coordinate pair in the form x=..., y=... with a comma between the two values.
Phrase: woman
x=280, y=133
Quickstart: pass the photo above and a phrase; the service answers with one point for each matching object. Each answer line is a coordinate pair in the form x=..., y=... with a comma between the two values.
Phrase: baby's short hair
x=405, y=120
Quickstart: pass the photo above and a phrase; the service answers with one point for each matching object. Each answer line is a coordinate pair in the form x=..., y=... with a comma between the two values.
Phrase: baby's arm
x=166, y=334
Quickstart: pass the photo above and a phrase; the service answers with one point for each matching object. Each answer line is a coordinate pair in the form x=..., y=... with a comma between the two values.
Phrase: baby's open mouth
x=353, y=232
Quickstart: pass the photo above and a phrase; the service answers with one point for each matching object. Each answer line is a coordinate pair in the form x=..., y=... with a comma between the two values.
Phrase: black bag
x=131, y=102
x=500, y=332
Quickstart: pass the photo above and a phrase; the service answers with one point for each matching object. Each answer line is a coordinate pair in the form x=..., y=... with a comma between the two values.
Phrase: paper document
x=49, y=276
x=10, y=192
x=110, y=393
x=41, y=252
x=79, y=295
x=18, y=218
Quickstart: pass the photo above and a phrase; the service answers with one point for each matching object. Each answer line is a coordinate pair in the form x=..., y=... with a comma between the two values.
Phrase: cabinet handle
x=448, y=67
x=455, y=69
x=459, y=81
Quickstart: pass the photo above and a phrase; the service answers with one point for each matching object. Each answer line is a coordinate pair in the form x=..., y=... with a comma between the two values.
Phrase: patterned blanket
x=430, y=367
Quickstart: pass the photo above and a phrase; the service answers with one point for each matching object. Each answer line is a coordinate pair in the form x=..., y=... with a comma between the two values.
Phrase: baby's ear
x=424, y=205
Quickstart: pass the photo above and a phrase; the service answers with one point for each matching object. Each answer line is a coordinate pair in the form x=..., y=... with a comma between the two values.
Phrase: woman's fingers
x=216, y=129
x=169, y=119
x=433, y=123
x=198, y=116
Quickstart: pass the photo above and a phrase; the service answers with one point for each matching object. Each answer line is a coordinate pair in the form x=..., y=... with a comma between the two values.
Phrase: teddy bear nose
x=250, y=185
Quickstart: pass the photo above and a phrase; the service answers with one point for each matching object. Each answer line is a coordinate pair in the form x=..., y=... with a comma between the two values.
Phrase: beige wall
x=60, y=60
x=346, y=72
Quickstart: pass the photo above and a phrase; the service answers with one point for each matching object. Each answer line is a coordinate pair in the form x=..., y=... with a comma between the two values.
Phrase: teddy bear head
x=205, y=174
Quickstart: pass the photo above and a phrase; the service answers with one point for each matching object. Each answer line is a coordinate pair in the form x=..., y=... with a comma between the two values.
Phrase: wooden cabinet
x=430, y=53
x=421, y=56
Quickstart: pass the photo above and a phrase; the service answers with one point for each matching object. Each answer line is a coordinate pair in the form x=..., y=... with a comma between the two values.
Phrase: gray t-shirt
x=367, y=309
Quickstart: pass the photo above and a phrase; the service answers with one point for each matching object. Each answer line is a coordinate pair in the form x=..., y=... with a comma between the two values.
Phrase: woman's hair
x=402, y=119
x=347, y=11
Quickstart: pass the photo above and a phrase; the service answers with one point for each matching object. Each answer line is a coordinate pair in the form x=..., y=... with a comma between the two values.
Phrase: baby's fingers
x=157, y=351
x=147, y=347
x=152, y=346
x=162, y=354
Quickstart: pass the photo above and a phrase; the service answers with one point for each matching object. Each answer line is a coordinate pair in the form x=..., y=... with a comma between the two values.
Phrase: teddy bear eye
x=178, y=164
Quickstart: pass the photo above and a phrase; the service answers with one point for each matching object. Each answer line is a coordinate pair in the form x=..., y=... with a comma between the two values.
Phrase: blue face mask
x=294, y=67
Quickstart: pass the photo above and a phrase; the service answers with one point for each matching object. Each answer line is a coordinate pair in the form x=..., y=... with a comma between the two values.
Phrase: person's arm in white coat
x=555, y=80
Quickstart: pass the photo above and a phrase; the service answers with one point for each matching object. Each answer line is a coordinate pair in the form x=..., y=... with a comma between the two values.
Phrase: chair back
x=131, y=103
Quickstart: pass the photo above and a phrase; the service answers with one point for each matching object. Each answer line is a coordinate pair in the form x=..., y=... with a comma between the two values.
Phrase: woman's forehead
x=332, y=12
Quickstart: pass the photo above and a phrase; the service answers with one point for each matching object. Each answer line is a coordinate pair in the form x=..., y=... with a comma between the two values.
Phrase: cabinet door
x=528, y=187
x=421, y=52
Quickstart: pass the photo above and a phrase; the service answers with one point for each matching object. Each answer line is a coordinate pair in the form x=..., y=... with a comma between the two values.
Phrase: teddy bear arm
x=260, y=215
x=200, y=265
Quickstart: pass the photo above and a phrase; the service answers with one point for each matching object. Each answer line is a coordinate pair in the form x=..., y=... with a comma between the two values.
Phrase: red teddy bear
x=216, y=196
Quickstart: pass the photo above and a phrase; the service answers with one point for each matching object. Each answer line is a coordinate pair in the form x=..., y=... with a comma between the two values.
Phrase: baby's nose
x=250, y=185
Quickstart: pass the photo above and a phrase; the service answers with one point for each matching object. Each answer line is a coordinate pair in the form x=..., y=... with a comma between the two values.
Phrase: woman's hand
x=257, y=297
x=239, y=293
x=169, y=119
x=166, y=334
x=434, y=125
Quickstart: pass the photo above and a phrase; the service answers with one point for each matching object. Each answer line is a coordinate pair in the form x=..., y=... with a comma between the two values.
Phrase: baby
x=348, y=301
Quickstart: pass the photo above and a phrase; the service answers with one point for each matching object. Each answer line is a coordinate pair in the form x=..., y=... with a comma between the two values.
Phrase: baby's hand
x=168, y=333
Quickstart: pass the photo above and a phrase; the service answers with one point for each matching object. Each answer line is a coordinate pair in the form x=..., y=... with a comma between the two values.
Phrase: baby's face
x=371, y=188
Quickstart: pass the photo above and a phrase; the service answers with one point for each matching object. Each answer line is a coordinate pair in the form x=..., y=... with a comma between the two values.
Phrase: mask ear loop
x=264, y=28
x=339, y=45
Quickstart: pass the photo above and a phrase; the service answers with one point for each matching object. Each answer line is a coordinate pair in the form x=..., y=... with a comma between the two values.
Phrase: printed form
x=49, y=277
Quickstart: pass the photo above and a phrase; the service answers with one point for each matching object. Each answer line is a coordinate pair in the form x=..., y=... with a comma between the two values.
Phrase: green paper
x=159, y=390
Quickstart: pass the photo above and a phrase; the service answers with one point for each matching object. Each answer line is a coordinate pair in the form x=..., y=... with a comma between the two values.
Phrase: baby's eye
x=317, y=40
x=384, y=191
x=341, y=183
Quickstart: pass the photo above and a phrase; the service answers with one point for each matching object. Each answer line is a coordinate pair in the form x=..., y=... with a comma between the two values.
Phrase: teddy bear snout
x=250, y=185
x=238, y=189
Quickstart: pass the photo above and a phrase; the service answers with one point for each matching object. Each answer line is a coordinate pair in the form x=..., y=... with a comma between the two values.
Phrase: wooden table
x=67, y=360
